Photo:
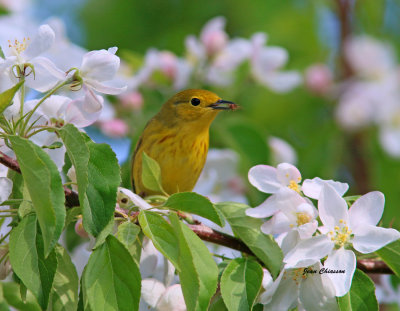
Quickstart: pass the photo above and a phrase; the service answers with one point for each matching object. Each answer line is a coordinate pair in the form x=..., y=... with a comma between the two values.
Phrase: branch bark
x=206, y=233
x=356, y=141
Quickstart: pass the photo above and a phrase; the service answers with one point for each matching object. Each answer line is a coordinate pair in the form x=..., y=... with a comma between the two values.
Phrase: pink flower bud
x=114, y=128
x=79, y=229
x=215, y=41
x=132, y=100
x=318, y=79
x=168, y=64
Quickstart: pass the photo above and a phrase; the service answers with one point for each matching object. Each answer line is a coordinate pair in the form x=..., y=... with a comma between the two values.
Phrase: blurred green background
x=309, y=30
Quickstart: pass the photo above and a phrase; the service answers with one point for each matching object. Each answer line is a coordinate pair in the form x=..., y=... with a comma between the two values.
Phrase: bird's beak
x=223, y=105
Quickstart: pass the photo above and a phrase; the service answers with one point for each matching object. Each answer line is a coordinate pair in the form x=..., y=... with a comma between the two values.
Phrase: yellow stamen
x=18, y=46
x=294, y=186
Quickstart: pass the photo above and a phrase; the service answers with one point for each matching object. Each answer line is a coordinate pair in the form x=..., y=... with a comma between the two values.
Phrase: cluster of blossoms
x=370, y=95
x=315, y=238
x=213, y=58
x=78, y=101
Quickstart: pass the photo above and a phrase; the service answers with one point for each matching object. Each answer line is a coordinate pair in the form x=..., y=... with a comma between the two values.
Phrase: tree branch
x=356, y=141
x=206, y=233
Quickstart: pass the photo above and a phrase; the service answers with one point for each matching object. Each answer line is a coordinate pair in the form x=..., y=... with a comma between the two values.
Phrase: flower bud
x=132, y=100
x=114, y=128
x=318, y=79
x=79, y=229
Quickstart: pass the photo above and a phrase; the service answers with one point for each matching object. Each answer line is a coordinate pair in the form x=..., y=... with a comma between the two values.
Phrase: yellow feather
x=177, y=138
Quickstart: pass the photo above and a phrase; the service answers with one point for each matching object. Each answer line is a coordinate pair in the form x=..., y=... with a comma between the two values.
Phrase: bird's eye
x=195, y=101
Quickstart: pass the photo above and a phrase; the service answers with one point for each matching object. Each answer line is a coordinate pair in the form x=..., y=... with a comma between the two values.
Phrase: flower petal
x=5, y=188
x=332, y=207
x=308, y=252
x=172, y=299
x=104, y=88
x=278, y=224
x=308, y=229
x=317, y=293
x=341, y=259
x=148, y=259
x=265, y=209
x=152, y=290
x=43, y=41
x=52, y=107
x=137, y=200
x=281, y=298
x=312, y=187
x=263, y=177
x=83, y=112
x=51, y=68
x=45, y=76
x=367, y=210
x=99, y=65
x=286, y=173
x=368, y=238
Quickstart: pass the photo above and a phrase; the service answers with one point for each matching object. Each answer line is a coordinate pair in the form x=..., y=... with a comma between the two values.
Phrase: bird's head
x=193, y=105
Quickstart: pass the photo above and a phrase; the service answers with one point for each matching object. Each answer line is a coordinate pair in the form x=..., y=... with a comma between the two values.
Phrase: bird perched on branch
x=177, y=138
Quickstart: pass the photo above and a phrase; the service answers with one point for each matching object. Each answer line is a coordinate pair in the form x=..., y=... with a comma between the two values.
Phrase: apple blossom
x=269, y=179
x=266, y=62
x=343, y=228
x=157, y=296
x=301, y=287
x=23, y=60
x=294, y=213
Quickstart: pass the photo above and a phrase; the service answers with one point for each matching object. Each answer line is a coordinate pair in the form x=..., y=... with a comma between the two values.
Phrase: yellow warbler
x=177, y=138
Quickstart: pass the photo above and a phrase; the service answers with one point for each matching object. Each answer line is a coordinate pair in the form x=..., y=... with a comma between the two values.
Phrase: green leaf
x=108, y=230
x=7, y=96
x=390, y=254
x=72, y=215
x=64, y=295
x=199, y=272
x=248, y=230
x=101, y=193
x=217, y=305
x=98, y=177
x=111, y=278
x=26, y=207
x=128, y=233
x=131, y=236
x=28, y=261
x=2, y=53
x=164, y=238
x=361, y=295
x=241, y=283
x=45, y=188
x=151, y=174
x=12, y=297
x=194, y=203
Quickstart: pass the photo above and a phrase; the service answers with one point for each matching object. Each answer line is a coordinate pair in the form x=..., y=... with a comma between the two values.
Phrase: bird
x=177, y=138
